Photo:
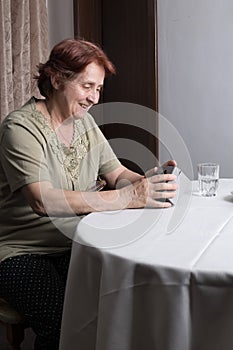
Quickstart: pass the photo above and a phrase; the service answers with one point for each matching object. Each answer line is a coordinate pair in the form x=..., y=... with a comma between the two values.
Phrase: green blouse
x=30, y=151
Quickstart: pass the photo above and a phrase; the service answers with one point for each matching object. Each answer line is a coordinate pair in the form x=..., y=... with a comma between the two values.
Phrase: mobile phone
x=169, y=169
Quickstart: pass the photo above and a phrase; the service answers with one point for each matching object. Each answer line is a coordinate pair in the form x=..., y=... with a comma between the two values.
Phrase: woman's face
x=77, y=96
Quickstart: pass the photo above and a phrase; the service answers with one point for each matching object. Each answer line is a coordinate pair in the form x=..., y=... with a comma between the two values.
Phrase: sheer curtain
x=24, y=43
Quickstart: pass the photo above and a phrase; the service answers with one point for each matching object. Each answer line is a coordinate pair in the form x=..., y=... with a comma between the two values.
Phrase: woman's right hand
x=150, y=191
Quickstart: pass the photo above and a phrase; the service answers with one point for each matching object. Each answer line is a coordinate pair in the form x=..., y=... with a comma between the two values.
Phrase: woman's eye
x=88, y=87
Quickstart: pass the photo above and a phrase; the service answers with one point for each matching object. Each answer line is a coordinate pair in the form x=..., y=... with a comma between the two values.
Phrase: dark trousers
x=35, y=284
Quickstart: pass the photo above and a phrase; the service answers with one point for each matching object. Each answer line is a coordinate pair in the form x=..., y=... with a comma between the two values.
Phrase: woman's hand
x=170, y=162
x=151, y=191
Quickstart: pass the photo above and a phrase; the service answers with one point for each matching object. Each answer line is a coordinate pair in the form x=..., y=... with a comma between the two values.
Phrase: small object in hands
x=169, y=169
x=96, y=185
x=208, y=177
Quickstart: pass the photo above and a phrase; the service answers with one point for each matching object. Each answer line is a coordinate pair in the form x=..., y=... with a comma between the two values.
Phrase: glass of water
x=208, y=177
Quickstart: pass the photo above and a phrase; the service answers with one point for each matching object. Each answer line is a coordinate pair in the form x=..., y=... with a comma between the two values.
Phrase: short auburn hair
x=67, y=59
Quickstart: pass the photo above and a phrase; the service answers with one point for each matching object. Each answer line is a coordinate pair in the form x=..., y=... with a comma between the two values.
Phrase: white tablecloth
x=134, y=283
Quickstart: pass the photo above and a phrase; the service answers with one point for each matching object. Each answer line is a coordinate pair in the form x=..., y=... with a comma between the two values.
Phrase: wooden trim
x=156, y=80
x=75, y=18
x=87, y=20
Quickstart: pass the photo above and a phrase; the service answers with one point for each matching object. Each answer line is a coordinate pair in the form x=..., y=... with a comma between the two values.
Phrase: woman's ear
x=55, y=82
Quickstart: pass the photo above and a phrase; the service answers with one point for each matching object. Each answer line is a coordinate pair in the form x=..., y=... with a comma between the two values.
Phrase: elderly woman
x=51, y=151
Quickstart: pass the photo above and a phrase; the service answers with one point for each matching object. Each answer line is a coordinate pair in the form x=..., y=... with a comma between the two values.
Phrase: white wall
x=196, y=76
x=60, y=17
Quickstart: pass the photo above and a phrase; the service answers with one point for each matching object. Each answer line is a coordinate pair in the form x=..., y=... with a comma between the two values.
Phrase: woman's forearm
x=127, y=177
x=140, y=192
x=46, y=200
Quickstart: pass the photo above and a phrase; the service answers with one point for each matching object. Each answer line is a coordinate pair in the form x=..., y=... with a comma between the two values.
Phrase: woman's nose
x=93, y=97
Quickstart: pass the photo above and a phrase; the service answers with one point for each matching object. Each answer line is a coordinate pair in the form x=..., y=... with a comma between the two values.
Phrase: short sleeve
x=22, y=157
x=108, y=159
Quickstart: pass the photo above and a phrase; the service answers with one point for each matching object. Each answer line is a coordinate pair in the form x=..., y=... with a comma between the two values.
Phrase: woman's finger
x=162, y=178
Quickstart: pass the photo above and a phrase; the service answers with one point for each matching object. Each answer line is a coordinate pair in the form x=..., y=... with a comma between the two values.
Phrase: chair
x=13, y=322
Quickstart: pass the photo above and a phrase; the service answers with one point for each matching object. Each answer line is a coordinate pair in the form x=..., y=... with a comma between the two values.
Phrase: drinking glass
x=208, y=177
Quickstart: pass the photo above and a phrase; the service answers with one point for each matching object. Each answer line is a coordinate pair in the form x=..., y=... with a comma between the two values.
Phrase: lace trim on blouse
x=69, y=157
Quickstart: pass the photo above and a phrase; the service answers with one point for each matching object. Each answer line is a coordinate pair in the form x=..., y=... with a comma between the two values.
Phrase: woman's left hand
x=170, y=162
